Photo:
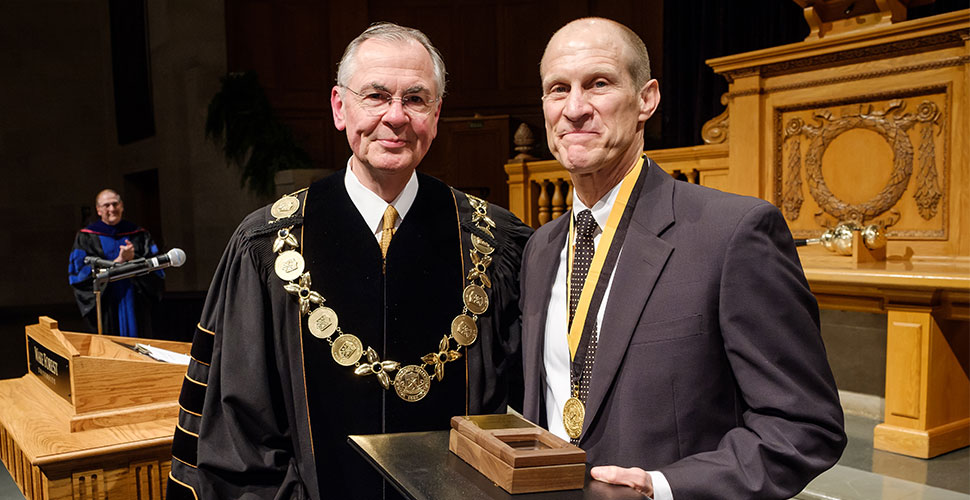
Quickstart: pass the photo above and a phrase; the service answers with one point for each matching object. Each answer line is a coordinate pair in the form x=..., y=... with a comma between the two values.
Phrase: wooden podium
x=92, y=419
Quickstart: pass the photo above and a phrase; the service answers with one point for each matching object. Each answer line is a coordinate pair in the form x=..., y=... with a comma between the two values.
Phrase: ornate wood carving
x=524, y=141
x=867, y=75
x=893, y=122
x=893, y=49
x=928, y=192
x=793, y=198
x=715, y=131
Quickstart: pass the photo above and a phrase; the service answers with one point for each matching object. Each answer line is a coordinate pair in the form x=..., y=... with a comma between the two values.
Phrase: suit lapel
x=542, y=274
x=642, y=260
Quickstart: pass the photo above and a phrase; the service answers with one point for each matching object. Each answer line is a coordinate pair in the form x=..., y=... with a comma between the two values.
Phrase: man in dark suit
x=668, y=329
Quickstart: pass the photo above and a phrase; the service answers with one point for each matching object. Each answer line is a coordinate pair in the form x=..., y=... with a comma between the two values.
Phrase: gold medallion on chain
x=573, y=414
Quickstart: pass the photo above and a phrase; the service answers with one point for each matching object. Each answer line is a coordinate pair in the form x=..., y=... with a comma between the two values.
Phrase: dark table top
x=421, y=467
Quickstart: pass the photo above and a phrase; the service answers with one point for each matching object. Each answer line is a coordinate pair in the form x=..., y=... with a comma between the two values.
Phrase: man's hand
x=633, y=477
x=126, y=252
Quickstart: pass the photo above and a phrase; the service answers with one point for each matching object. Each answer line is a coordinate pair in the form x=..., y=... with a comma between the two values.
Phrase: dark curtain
x=697, y=30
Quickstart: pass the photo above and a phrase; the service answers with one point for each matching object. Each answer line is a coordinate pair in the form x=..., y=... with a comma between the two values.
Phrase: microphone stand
x=99, y=285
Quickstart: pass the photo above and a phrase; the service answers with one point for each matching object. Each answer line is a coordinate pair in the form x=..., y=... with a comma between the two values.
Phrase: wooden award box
x=92, y=419
x=516, y=454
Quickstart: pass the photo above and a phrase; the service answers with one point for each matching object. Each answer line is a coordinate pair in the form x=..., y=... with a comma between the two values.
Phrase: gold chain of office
x=411, y=382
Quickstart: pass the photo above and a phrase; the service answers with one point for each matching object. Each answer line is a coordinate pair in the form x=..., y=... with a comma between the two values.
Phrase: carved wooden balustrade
x=540, y=190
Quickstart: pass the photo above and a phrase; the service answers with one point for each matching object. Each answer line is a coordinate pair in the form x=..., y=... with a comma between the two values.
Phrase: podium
x=92, y=419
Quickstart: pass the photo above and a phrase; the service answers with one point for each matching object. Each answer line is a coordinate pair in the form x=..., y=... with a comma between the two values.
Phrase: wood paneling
x=491, y=50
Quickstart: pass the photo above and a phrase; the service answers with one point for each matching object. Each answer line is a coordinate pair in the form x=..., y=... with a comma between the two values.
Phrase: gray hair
x=639, y=63
x=390, y=32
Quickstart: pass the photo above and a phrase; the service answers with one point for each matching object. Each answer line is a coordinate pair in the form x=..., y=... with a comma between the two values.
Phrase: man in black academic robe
x=125, y=304
x=266, y=408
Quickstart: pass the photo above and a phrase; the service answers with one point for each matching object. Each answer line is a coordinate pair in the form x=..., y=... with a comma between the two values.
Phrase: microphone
x=98, y=262
x=137, y=267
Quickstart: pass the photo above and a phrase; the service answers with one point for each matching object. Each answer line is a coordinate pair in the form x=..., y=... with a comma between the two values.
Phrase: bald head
x=109, y=206
x=607, y=32
x=596, y=96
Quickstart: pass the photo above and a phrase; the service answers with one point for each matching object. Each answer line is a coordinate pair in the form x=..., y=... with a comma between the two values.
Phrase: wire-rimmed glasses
x=376, y=101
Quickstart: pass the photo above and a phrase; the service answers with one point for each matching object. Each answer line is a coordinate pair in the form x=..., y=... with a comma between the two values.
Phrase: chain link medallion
x=285, y=207
x=464, y=330
x=289, y=265
x=347, y=350
x=412, y=383
x=476, y=300
x=322, y=322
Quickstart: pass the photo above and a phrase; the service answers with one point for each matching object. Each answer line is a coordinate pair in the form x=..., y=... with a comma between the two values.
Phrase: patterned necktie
x=390, y=217
x=582, y=257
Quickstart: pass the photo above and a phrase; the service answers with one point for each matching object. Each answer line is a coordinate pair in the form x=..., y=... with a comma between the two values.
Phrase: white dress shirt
x=372, y=207
x=555, y=351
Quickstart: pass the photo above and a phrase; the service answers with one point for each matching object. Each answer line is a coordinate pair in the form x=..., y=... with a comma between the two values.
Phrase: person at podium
x=668, y=328
x=377, y=300
x=126, y=304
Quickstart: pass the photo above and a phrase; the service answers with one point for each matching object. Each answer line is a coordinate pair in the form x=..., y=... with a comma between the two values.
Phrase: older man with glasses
x=126, y=305
x=377, y=300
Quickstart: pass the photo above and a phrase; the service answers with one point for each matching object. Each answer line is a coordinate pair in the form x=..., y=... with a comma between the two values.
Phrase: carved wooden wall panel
x=880, y=158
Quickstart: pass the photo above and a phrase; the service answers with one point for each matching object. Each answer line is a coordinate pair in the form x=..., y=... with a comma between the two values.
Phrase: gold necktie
x=390, y=217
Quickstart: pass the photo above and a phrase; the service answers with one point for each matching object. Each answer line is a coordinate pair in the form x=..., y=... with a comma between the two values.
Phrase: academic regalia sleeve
x=79, y=274
x=233, y=435
x=501, y=345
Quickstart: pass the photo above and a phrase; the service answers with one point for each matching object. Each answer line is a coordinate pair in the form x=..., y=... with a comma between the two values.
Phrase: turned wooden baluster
x=544, y=209
x=558, y=200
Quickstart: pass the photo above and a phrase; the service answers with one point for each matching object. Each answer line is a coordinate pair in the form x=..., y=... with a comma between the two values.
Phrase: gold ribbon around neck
x=599, y=257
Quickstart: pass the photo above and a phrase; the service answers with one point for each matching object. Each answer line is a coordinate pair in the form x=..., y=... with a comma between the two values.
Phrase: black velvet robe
x=265, y=409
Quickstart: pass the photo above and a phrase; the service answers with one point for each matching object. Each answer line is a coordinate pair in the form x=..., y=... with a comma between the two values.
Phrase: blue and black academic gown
x=266, y=410
x=125, y=304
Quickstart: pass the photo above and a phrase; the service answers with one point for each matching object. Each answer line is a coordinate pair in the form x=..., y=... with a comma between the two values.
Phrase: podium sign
x=51, y=368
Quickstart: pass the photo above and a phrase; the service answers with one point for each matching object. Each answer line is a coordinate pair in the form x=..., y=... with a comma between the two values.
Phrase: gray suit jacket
x=710, y=367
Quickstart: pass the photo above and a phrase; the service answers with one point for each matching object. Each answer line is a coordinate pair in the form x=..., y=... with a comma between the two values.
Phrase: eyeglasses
x=377, y=102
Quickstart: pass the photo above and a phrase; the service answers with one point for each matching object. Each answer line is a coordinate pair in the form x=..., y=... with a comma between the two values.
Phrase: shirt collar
x=600, y=209
x=371, y=206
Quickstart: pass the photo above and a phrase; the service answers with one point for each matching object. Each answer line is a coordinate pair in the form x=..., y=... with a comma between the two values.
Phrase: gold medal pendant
x=412, y=383
x=573, y=413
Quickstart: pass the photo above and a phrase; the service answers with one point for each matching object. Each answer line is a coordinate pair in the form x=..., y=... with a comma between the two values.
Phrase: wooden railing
x=540, y=190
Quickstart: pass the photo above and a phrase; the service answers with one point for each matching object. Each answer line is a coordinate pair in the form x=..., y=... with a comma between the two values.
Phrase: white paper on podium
x=164, y=355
